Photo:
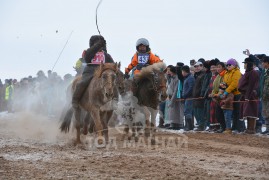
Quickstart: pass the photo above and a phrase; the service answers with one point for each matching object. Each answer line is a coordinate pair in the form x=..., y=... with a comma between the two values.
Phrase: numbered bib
x=142, y=58
x=98, y=58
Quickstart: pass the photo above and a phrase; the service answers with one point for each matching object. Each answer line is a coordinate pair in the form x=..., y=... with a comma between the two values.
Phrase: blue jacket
x=188, y=86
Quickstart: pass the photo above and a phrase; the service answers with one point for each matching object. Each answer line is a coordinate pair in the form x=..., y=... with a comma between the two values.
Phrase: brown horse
x=149, y=87
x=100, y=91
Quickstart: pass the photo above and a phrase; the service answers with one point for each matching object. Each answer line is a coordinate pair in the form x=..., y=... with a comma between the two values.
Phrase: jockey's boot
x=81, y=86
x=251, y=122
x=79, y=90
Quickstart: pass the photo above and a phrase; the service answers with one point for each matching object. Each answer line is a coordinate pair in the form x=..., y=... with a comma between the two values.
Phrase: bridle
x=155, y=82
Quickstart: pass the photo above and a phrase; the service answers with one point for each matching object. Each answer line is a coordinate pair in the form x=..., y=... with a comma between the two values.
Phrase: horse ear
x=116, y=67
x=119, y=65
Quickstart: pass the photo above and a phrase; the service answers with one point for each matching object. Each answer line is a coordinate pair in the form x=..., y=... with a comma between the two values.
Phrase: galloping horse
x=101, y=90
x=149, y=87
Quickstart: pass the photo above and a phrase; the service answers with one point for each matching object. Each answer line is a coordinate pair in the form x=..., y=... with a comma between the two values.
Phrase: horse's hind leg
x=125, y=131
x=77, y=124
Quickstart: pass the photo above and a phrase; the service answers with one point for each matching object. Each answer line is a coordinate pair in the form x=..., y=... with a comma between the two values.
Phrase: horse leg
x=135, y=130
x=86, y=123
x=95, y=112
x=147, y=115
x=125, y=131
x=77, y=124
x=105, y=116
x=153, y=113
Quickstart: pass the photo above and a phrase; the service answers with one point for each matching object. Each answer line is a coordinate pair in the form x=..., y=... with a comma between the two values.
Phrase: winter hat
x=180, y=64
x=95, y=38
x=232, y=62
x=173, y=69
x=192, y=62
x=265, y=59
x=260, y=56
x=207, y=64
x=249, y=60
x=142, y=41
x=214, y=62
x=198, y=63
x=202, y=60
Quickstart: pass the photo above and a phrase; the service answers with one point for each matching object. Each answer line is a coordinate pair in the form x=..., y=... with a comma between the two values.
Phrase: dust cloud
x=32, y=126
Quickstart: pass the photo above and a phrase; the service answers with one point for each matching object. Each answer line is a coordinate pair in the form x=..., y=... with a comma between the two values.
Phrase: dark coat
x=205, y=84
x=188, y=86
x=248, y=85
x=197, y=90
x=90, y=53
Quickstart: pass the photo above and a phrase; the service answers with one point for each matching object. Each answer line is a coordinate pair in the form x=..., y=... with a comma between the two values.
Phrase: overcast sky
x=177, y=31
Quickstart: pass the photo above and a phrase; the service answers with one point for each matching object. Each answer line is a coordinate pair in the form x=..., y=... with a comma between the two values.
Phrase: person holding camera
x=143, y=57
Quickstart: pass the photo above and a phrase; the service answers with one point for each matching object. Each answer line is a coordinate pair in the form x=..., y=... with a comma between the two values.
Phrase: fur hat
x=95, y=38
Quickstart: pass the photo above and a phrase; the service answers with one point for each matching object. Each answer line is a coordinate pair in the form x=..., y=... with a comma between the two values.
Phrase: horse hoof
x=85, y=131
x=77, y=142
x=100, y=141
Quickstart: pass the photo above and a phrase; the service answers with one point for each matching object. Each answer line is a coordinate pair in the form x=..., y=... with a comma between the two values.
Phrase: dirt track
x=41, y=152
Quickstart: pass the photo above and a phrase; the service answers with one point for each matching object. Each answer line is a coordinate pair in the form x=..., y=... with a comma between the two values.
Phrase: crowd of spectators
x=213, y=95
x=43, y=94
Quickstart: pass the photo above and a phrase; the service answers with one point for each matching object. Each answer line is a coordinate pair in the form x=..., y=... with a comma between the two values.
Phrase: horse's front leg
x=147, y=121
x=153, y=114
x=77, y=124
x=95, y=112
x=86, y=123
x=105, y=117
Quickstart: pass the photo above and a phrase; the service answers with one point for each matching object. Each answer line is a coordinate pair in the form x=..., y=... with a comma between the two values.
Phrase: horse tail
x=65, y=126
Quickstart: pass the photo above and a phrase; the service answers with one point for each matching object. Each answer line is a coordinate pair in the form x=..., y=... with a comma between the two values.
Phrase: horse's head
x=107, y=73
x=120, y=80
x=159, y=84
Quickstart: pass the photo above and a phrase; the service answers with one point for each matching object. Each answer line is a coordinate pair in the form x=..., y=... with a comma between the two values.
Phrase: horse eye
x=104, y=76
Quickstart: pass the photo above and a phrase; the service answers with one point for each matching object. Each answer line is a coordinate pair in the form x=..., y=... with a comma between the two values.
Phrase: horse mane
x=147, y=71
x=98, y=72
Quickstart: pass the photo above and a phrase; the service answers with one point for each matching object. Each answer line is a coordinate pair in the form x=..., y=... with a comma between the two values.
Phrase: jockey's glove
x=126, y=76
